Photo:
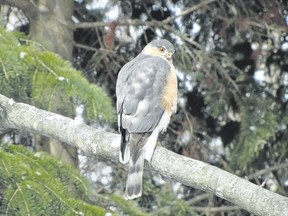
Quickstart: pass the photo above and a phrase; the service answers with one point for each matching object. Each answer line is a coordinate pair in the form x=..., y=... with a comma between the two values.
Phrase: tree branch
x=137, y=22
x=189, y=10
x=185, y=170
x=210, y=210
x=267, y=170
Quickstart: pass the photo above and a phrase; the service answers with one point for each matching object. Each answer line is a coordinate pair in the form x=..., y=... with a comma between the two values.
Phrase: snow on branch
x=187, y=171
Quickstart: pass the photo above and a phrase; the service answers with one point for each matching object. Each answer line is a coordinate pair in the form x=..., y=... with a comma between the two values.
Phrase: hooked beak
x=169, y=56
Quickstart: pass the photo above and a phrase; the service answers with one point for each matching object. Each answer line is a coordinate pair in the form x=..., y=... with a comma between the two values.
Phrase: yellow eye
x=162, y=49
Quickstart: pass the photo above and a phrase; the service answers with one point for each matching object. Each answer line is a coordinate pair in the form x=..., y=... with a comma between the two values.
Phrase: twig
x=267, y=170
x=216, y=209
x=135, y=22
x=82, y=46
x=199, y=198
x=267, y=26
x=189, y=10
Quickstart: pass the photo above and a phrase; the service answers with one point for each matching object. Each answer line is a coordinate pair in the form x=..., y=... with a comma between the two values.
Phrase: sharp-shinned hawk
x=146, y=93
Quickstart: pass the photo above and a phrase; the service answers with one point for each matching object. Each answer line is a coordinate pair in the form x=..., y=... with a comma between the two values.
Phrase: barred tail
x=134, y=181
x=137, y=142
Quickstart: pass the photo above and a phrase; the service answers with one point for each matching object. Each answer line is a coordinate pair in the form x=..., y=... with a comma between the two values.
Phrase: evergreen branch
x=4, y=165
x=23, y=198
x=4, y=70
x=226, y=76
x=185, y=170
x=80, y=180
x=10, y=200
x=34, y=73
x=46, y=183
x=47, y=67
x=32, y=161
x=47, y=171
x=60, y=198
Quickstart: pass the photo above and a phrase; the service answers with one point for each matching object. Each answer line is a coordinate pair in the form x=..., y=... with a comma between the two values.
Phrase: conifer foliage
x=37, y=184
x=45, y=79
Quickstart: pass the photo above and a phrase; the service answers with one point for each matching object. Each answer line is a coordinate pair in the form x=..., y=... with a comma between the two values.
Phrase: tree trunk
x=53, y=28
x=51, y=25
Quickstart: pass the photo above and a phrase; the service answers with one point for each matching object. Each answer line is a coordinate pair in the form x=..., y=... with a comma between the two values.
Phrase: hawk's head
x=162, y=48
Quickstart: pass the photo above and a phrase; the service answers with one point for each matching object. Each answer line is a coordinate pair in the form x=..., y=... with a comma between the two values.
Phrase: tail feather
x=134, y=180
x=136, y=165
x=124, y=153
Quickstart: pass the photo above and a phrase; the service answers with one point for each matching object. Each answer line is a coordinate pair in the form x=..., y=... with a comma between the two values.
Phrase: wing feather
x=139, y=90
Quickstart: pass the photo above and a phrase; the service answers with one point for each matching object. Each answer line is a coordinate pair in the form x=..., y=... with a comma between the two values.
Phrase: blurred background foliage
x=232, y=66
x=35, y=184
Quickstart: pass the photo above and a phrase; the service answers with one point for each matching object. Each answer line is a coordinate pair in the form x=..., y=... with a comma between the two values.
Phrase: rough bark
x=50, y=23
x=53, y=27
x=28, y=7
x=185, y=170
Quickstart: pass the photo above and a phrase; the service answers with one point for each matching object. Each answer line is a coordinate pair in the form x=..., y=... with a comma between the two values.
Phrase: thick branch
x=179, y=168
